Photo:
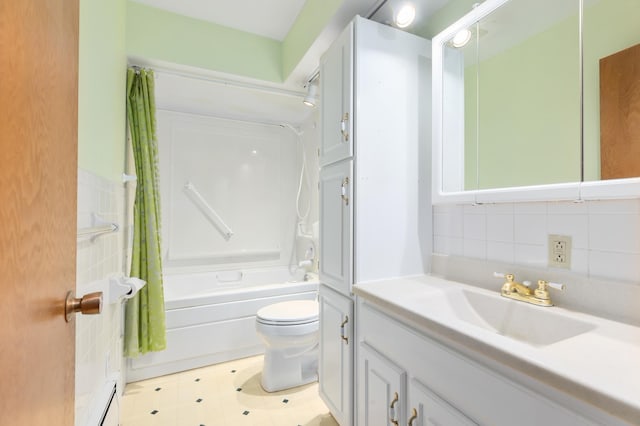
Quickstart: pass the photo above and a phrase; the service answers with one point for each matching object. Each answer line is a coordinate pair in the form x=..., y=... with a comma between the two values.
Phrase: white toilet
x=290, y=333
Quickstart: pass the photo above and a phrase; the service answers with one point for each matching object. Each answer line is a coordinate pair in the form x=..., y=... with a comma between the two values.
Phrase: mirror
x=611, y=61
x=509, y=100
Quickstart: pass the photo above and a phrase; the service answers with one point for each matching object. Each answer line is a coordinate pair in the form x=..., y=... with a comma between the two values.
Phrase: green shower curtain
x=144, y=318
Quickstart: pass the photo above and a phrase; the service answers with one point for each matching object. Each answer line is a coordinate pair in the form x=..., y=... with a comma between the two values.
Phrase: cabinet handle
x=346, y=320
x=343, y=189
x=414, y=415
x=392, y=409
x=343, y=126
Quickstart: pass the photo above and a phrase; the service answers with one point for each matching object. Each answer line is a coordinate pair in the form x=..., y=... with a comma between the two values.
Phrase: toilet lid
x=289, y=313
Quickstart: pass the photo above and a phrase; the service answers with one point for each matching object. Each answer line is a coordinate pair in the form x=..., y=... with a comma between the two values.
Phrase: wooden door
x=38, y=181
x=619, y=112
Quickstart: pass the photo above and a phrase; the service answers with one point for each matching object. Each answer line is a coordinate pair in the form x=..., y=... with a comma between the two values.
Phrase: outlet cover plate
x=559, y=251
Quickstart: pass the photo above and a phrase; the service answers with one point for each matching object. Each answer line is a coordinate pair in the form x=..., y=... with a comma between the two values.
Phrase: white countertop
x=600, y=367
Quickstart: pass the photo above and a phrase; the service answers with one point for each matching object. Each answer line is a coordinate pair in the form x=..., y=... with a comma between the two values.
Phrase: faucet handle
x=557, y=286
x=542, y=292
x=508, y=277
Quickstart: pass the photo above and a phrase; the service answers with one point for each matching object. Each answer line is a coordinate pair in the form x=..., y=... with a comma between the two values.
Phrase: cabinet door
x=336, y=91
x=335, y=369
x=427, y=409
x=381, y=389
x=336, y=212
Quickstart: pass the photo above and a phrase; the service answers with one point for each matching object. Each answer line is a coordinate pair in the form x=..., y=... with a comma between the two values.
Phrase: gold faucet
x=517, y=291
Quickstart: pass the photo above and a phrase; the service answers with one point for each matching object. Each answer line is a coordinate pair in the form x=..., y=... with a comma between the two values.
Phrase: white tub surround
x=210, y=317
x=592, y=377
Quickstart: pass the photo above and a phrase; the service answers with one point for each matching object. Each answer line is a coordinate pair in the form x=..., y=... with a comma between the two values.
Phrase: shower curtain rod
x=282, y=124
x=221, y=81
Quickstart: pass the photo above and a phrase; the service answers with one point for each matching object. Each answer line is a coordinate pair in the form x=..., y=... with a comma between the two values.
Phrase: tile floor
x=221, y=395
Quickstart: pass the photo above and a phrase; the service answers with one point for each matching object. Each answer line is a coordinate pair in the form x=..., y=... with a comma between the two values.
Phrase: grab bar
x=96, y=231
x=208, y=211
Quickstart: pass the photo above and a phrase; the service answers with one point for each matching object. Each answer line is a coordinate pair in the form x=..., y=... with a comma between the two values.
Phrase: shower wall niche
x=228, y=191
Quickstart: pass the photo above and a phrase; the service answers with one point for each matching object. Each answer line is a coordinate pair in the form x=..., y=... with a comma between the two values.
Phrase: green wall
x=164, y=36
x=101, y=87
x=312, y=19
x=157, y=34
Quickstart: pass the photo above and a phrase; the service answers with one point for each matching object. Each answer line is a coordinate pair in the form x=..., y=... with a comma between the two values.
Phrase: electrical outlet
x=560, y=251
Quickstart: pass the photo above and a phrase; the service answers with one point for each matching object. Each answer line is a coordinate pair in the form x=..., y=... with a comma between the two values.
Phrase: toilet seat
x=294, y=312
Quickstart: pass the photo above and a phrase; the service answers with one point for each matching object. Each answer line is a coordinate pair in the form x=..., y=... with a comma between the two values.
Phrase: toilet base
x=283, y=371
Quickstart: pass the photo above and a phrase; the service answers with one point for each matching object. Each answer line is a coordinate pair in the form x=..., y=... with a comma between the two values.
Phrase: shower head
x=295, y=130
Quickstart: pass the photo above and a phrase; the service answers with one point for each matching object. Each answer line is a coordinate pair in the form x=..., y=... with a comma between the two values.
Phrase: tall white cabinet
x=375, y=213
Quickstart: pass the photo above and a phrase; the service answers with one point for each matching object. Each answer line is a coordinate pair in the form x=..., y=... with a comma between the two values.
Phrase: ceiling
x=271, y=19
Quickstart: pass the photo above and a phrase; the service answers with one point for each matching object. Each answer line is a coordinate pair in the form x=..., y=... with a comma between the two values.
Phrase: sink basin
x=535, y=325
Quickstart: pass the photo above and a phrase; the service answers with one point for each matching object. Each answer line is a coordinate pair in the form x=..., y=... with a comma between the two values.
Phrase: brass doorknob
x=89, y=304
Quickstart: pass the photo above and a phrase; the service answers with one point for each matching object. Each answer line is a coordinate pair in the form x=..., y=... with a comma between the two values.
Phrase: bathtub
x=210, y=317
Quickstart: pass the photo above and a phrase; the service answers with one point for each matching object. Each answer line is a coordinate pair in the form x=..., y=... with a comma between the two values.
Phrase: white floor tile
x=219, y=395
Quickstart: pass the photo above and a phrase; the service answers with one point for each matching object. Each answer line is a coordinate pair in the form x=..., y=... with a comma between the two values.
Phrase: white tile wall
x=98, y=338
x=605, y=234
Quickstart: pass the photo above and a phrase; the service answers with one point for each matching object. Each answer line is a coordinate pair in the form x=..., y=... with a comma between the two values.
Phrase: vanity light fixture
x=312, y=94
x=461, y=38
x=405, y=16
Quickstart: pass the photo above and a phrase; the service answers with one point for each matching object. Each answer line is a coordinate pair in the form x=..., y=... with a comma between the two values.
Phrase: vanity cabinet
x=384, y=392
x=335, y=366
x=442, y=385
x=375, y=216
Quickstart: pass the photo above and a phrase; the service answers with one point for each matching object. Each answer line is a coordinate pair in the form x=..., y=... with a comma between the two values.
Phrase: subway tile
x=440, y=244
x=617, y=266
x=475, y=209
x=501, y=251
x=614, y=207
x=476, y=249
x=500, y=228
x=530, y=229
x=530, y=208
x=614, y=232
x=574, y=225
x=475, y=226
x=530, y=255
x=500, y=208
x=456, y=246
x=580, y=261
x=567, y=207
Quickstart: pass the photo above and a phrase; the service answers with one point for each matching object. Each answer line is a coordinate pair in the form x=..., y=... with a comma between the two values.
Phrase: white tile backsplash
x=530, y=228
x=475, y=226
x=605, y=234
x=615, y=232
x=500, y=227
x=98, y=337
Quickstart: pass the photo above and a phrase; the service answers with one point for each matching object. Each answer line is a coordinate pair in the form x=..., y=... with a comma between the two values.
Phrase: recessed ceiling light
x=405, y=15
x=461, y=38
